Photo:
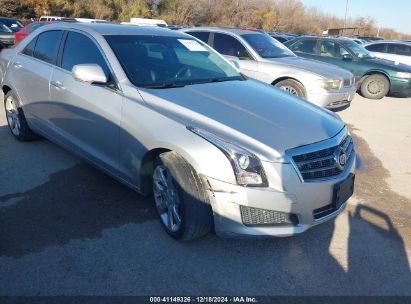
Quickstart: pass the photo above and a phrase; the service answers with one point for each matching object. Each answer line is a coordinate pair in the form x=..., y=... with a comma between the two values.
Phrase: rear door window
x=47, y=46
x=203, y=36
x=399, y=49
x=305, y=46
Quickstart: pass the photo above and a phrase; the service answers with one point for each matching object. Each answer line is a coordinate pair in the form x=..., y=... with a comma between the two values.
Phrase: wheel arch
x=5, y=89
x=286, y=78
x=146, y=169
x=274, y=83
x=198, y=155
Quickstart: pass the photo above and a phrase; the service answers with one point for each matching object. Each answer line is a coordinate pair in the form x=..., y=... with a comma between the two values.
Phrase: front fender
x=143, y=130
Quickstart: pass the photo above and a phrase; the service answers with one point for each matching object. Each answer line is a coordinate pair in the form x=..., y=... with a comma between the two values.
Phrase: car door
x=86, y=116
x=31, y=71
x=234, y=50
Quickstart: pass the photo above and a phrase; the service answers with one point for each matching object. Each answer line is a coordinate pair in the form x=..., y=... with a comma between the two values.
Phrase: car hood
x=385, y=63
x=256, y=116
x=326, y=70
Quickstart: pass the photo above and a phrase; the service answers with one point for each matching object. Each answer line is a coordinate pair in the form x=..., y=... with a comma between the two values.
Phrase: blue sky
x=395, y=14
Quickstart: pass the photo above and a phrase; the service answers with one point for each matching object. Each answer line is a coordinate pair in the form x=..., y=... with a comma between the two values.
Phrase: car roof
x=324, y=38
x=389, y=42
x=236, y=31
x=113, y=29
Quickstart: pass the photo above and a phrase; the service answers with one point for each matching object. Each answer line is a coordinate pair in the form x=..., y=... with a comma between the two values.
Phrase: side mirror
x=347, y=57
x=90, y=73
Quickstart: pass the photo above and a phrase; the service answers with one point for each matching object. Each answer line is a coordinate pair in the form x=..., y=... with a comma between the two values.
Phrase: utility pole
x=346, y=11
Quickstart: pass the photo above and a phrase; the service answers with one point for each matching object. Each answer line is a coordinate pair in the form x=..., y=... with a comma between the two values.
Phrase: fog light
x=262, y=217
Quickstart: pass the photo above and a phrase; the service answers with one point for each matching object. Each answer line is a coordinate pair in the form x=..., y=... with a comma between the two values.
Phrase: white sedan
x=398, y=51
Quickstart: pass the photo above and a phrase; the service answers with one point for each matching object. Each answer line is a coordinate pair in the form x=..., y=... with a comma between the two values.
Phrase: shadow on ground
x=76, y=203
x=81, y=233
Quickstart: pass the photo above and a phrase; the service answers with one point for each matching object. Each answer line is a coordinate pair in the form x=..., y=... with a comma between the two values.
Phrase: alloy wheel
x=166, y=198
x=13, y=117
x=289, y=89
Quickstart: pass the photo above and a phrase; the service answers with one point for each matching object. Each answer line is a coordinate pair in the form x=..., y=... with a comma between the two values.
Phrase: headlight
x=247, y=167
x=334, y=84
x=403, y=75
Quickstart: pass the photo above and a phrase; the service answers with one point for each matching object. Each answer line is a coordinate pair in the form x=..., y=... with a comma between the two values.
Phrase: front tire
x=16, y=120
x=181, y=198
x=375, y=86
x=293, y=87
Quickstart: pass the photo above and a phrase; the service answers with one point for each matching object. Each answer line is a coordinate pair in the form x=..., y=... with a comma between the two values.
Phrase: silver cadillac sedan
x=166, y=115
x=262, y=57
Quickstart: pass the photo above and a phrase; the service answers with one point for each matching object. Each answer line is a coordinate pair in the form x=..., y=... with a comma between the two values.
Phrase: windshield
x=357, y=49
x=163, y=61
x=4, y=29
x=266, y=46
x=11, y=22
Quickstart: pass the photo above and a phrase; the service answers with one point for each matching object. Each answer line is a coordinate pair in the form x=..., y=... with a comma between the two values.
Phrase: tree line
x=271, y=15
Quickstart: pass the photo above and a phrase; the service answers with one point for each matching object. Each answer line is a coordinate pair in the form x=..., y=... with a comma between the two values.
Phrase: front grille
x=347, y=82
x=324, y=163
x=262, y=217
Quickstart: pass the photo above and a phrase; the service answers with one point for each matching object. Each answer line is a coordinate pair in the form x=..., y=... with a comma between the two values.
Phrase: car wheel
x=293, y=87
x=181, y=198
x=16, y=119
x=375, y=86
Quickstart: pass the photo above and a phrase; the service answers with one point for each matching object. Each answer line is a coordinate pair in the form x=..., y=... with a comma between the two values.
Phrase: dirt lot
x=67, y=229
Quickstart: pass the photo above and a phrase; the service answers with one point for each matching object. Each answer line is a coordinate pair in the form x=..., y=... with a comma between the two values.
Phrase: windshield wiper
x=165, y=85
x=220, y=79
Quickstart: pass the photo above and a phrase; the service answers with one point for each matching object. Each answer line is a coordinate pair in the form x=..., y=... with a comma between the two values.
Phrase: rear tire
x=181, y=198
x=16, y=120
x=293, y=87
x=375, y=86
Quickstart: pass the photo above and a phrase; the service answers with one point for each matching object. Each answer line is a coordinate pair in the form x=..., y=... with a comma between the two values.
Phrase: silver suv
x=167, y=115
x=260, y=56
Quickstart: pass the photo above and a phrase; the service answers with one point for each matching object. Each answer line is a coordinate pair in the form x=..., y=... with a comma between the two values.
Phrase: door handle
x=17, y=65
x=58, y=84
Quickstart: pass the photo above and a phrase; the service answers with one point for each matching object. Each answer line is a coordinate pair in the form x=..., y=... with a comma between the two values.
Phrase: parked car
x=165, y=114
x=358, y=41
x=281, y=37
x=397, y=51
x=12, y=23
x=50, y=18
x=146, y=22
x=375, y=77
x=261, y=57
x=6, y=35
x=27, y=30
x=89, y=20
x=369, y=38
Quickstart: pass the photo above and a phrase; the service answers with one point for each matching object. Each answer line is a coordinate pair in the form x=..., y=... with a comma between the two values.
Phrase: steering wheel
x=181, y=71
